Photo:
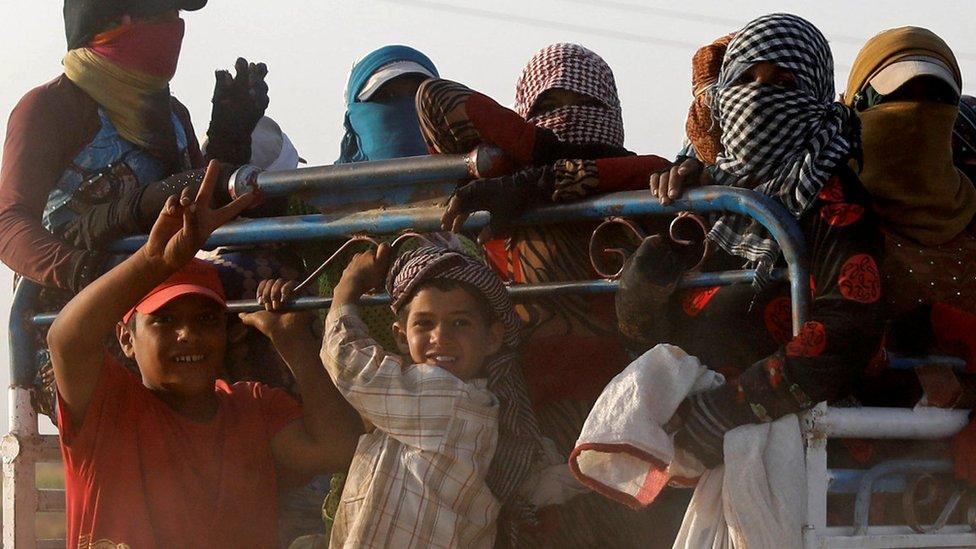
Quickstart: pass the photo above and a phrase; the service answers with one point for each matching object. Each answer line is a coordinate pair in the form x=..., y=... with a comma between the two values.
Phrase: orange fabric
x=103, y=38
x=704, y=132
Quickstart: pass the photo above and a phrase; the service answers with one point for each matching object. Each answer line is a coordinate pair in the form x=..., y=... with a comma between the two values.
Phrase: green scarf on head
x=138, y=104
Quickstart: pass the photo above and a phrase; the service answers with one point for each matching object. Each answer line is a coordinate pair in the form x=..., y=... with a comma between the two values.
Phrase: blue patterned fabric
x=102, y=170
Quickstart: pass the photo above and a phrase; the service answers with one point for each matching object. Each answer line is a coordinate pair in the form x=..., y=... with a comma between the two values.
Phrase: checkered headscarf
x=519, y=440
x=577, y=69
x=787, y=140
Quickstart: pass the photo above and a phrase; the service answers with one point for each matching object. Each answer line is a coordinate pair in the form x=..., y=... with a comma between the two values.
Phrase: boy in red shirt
x=180, y=459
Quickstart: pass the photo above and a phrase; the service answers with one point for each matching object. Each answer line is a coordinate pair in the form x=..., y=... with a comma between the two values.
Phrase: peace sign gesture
x=185, y=223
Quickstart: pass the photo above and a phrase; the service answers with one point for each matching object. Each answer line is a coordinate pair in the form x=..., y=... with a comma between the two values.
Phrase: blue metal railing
x=323, y=186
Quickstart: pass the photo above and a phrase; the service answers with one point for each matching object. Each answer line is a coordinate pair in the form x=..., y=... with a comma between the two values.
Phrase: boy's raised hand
x=185, y=222
x=275, y=325
x=365, y=272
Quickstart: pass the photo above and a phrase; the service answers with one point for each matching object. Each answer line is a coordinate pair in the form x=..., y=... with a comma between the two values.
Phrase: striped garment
x=418, y=479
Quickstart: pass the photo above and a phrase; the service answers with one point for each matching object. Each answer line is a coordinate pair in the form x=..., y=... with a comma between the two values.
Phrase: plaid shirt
x=418, y=479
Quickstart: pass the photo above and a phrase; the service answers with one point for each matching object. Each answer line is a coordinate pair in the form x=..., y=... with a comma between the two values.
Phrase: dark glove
x=238, y=103
x=503, y=197
x=574, y=179
x=153, y=196
x=648, y=279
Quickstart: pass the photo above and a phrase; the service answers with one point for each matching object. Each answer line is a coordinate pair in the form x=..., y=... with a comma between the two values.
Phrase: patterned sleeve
x=832, y=349
x=575, y=179
x=412, y=403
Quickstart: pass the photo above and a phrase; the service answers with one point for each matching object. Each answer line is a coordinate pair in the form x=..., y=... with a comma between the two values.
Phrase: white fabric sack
x=623, y=451
x=757, y=499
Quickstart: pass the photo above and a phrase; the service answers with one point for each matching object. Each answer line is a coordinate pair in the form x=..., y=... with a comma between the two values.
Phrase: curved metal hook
x=634, y=229
x=698, y=223
x=403, y=237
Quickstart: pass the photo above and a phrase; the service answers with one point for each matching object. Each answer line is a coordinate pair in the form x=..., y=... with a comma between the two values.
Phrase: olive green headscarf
x=908, y=165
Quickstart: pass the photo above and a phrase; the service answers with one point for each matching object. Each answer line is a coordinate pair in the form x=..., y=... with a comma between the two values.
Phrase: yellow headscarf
x=908, y=165
x=138, y=104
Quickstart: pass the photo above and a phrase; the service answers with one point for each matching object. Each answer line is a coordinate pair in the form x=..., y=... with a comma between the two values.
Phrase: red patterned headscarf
x=577, y=69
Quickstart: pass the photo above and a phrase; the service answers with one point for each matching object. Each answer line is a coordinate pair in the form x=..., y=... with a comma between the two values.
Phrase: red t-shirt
x=137, y=473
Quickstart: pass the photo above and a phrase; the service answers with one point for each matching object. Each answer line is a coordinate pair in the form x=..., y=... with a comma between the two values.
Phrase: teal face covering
x=379, y=130
x=388, y=129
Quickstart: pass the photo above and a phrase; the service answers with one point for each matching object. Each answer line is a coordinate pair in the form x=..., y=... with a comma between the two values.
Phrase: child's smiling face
x=450, y=329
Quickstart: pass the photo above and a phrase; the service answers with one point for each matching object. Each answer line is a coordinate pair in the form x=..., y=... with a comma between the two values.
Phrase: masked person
x=917, y=134
x=905, y=86
x=381, y=116
x=380, y=123
x=87, y=155
x=785, y=137
x=564, y=141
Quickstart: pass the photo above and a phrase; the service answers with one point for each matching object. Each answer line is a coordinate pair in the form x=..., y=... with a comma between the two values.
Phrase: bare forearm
x=328, y=417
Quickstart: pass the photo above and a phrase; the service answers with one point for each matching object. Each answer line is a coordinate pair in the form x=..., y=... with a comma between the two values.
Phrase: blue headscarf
x=381, y=130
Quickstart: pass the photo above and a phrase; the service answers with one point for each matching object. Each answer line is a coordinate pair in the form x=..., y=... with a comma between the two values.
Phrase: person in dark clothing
x=564, y=141
x=87, y=155
x=784, y=136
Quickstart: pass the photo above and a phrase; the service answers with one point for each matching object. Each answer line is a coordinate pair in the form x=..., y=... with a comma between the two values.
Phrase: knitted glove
x=574, y=179
x=238, y=103
x=507, y=196
x=648, y=279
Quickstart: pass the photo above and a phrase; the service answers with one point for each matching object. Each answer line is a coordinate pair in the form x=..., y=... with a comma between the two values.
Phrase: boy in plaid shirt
x=454, y=436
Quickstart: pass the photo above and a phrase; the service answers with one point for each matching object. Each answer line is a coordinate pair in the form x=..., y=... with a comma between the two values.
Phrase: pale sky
x=309, y=46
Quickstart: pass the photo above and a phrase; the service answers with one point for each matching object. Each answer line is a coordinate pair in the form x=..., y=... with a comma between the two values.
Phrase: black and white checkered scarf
x=787, y=140
x=519, y=440
x=577, y=69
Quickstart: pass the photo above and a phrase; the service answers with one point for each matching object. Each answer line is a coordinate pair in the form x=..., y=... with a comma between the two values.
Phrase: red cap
x=197, y=277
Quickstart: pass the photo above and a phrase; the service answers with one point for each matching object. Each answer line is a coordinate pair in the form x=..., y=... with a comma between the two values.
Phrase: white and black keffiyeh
x=519, y=440
x=577, y=69
x=787, y=140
